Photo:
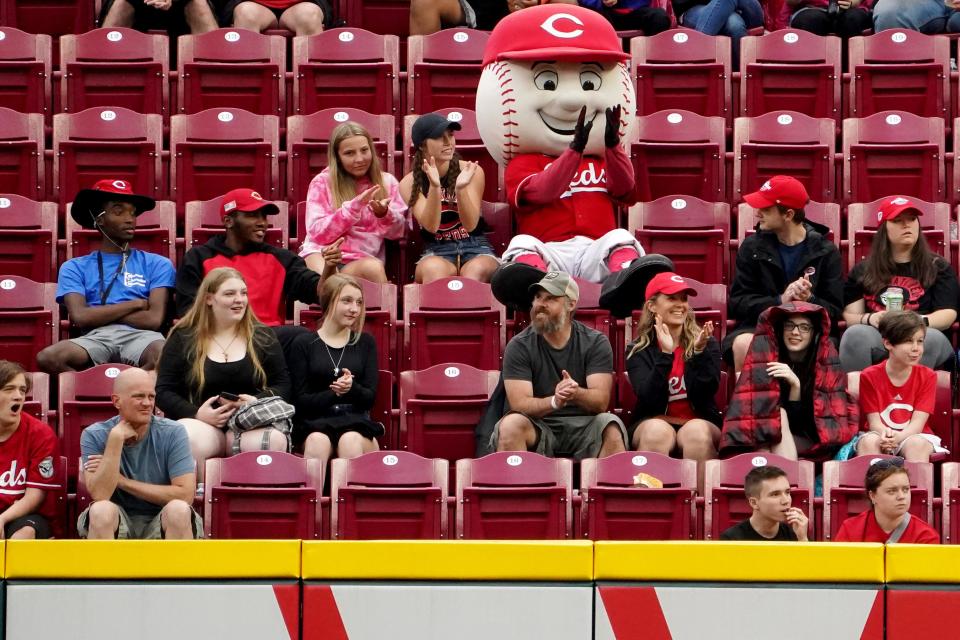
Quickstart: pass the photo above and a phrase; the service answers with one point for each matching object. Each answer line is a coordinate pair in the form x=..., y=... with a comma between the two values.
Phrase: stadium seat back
x=29, y=318
x=28, y=237
x=38, y=397
x=25, y=71
x=21, y=154
x=444, y=69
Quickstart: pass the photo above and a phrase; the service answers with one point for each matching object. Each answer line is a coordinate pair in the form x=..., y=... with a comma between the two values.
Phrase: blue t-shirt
x=790, y=258
x=162, y=455
x=142, y=273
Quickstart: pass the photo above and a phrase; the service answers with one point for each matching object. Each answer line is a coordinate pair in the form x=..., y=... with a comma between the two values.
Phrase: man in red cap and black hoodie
x=788, y=259
x=272, y=274
x=117, y=295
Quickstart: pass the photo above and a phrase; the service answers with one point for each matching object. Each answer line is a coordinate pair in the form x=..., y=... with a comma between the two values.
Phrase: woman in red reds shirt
x=897, y=396
x=890, y=520
x=674, y=368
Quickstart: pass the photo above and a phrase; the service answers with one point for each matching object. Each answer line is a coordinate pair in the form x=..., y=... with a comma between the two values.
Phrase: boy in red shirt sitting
x=897, y=396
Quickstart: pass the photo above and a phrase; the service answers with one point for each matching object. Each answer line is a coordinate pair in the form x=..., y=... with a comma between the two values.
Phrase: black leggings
x=848, y=23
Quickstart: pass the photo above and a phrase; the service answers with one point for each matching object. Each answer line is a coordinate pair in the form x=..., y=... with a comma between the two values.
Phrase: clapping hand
x=703, y=336
x=467, y=171
x=430, y=169
x=581, y=133
x=664, y=336
x=611, y=133
x=565, y=389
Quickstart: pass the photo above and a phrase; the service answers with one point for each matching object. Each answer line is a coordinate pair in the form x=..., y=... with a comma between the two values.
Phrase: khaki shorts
x=138, y=527
x=576, y=437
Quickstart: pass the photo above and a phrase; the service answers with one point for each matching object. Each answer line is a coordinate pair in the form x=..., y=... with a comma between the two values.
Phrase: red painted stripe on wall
x=635, y=613
x=321, y=617
x=288, y=599
x=922, y=614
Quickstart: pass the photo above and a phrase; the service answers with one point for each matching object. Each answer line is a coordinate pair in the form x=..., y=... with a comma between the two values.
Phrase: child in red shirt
x=897, y=396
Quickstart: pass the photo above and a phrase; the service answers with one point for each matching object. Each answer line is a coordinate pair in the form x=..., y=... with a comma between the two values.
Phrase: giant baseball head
x=542, y=65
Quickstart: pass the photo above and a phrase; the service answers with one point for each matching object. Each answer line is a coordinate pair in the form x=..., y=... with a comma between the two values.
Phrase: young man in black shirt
x=774, y=517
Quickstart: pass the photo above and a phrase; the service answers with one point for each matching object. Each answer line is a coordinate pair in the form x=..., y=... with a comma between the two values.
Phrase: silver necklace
x=335, y=363
x=229, y=344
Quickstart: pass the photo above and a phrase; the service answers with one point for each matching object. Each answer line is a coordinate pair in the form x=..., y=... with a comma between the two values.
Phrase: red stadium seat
x=682, y=69
x=55, y=500
x=950, y=490
x=726, y=504
x=380, y=321
x=785, y=143
x=444, y=69
x=156, y=233
x=893, y=153
x=615, y=509
x=346, y=67
x=38, y=398
x=844, y=496
x=791, y=70
x=679, y=152
x=263, y=494
x=204, y=219
x=514, y=495
x=55, y=17
x=115, y=67
x=500, y=221
x=695, y=234
x=379, y=16
x=862, y=226
x=452, y=319
x=217, y=150
x=25, y=71
x=308, y=141
x=21, y=154
x=84, y=399
x=627, y=399
x=440, y=408
x=899, y=70
x=235, y=68
x=388, y=495
x=114, y=142
x=28, y=238
x=29, y=318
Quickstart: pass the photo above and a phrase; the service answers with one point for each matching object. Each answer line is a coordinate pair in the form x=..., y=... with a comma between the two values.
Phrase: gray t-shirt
x=530, y=357
x=162, y=455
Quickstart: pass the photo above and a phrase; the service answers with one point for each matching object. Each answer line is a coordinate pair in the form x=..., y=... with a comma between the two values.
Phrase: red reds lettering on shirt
x=677, y=404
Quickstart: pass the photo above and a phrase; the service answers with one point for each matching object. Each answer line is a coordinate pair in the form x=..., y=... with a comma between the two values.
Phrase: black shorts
x=147, y=18
x=40, y=526
x=226, y=14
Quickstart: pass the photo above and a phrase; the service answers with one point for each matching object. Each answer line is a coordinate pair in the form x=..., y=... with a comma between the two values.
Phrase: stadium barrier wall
x=425, y=590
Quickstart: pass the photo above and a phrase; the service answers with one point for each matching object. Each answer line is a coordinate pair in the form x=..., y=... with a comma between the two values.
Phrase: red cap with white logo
x=784, y=190
x=668, y=283
x=88, y=203
x=554, y=32
x=247, y=200
x=893, y=206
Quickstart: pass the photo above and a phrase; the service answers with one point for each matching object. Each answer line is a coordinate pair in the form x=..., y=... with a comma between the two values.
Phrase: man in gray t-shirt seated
x=558, y=375
x=138, y=469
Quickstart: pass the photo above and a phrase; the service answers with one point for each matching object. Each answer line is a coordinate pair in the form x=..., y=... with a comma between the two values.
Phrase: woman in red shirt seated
x=889, y=521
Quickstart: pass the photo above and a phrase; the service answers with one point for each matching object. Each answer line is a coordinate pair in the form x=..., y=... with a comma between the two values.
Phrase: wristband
x=869, y=315
x=553, y=402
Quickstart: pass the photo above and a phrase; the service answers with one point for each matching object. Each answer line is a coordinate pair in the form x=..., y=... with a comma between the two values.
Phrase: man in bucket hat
x=116, y=295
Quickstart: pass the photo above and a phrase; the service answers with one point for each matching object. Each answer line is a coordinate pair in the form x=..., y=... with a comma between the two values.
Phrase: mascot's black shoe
x=624, y=290
x=511, y=284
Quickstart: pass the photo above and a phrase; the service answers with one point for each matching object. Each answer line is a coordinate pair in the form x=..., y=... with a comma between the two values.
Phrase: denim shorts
x=460, y=250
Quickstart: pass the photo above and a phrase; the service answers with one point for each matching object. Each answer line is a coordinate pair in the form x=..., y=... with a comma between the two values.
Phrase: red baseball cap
x=893, y=206
x=88, y=203
x=784, y=190
x=668, y=283
x=554, y=32
x=247, y=200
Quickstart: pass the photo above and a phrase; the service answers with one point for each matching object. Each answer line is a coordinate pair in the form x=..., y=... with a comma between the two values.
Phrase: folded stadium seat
x=378, y=16
x=38, y=398
x=28, y=238
x=54, y=17
x=440, y=408
x=84, y=399
x=156, y=233
x=862, y=226
x=791, y=70
x=950, y=490
x=113, y=142
x=388, y=495
x=204, y=219
x=499, y=219
x=844, y=495
x=514, y=495
x=616, y=508
x=115, y=67
x=899, y=70
x=55, y=502
x=679, y=152
x=452, y=319
x=627, y=399
x=785, y=143
x=263, y=494
x=308, y=139
x=443, y=69
x=893, y=152
x=346, y=67
x=21, y=154
x=726, y=504
x=380, y=319
x=25, y=71
x=29, y=318
x=217, y=150
x=682, y=69
x=235, y=68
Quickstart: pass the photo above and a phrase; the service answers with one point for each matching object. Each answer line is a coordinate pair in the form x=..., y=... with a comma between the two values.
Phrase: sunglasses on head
x=886, y=463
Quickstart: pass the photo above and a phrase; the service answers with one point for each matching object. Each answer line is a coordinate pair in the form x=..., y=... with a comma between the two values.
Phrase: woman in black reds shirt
x=674, y=368
x=900, y=265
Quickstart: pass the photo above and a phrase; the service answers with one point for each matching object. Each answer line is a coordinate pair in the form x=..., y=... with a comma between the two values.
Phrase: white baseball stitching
x=626, y=111
x=510, y=140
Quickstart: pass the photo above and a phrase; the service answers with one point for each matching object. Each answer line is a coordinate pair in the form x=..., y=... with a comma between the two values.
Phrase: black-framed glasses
x=803, y=327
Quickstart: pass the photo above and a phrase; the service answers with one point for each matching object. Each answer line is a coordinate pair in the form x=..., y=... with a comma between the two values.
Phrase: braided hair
x=421, y=183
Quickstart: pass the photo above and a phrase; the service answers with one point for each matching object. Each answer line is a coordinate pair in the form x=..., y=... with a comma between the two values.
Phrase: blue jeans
x=725, y=17
x=926, y=16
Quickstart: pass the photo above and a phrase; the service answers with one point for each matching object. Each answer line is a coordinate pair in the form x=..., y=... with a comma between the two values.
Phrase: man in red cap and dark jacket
x=117, y=295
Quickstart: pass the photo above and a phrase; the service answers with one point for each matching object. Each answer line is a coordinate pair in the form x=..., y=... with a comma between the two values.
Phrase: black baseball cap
x=431, y=125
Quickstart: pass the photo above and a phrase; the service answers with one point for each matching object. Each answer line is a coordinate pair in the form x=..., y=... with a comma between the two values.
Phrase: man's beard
x=546, y=324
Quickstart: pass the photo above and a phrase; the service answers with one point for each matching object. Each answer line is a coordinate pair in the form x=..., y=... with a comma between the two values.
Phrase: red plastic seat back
x=379, y=16
x=28, y=237
x=444, y=69
x=25, y=71
x=29, y=318
x=21, y=154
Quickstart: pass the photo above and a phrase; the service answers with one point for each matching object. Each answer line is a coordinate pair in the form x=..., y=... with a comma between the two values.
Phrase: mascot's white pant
x=579, y=256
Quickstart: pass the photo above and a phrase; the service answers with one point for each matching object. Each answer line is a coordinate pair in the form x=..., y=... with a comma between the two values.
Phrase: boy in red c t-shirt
x=897, y=396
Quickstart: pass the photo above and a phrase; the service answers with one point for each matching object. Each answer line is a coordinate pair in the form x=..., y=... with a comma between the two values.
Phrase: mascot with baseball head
x=554, y=102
